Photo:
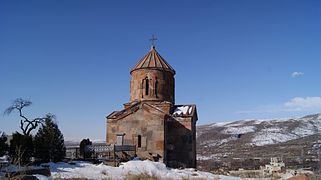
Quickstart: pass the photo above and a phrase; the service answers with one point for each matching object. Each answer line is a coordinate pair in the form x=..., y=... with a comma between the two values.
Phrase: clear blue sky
x=234, y=59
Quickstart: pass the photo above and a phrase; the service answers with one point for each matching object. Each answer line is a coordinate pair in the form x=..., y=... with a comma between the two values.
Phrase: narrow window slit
x=139, y=143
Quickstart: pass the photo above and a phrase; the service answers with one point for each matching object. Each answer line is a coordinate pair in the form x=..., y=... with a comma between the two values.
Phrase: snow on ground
x=212, y=143
x=242, y=122
x=264, y=138
x=239, y=130
x=236, y=123
x=216, y=156
x=308, y=126
x=201, y=157
x=273, y=129
x=312, y=117
x=146, y=168
x=219, y=124
x=4, y=158
x=41, y=177
x=306, y=130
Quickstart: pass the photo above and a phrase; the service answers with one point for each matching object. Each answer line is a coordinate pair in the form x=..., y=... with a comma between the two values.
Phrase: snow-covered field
x=129, y=170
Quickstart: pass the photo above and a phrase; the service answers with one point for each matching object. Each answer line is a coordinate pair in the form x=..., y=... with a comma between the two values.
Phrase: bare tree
x=26, y=124
x=20, y=151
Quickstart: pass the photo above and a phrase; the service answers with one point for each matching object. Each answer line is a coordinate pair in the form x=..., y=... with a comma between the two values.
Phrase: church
x=159, y=129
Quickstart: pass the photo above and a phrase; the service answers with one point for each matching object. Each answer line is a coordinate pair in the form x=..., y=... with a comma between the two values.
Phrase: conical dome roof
x=152, y=60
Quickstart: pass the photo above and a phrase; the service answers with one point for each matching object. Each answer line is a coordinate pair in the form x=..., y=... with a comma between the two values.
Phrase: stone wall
x=147, y=123
x=181, y=142
x=161, y=85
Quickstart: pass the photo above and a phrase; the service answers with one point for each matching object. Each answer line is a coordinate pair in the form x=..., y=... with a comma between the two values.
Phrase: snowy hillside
x=261, y=138
x=262, y=132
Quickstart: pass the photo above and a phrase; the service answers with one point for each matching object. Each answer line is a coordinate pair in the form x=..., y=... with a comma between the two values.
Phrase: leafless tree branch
x=26, y=124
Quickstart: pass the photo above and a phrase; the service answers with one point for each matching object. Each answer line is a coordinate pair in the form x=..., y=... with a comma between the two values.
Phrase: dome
x=153, y=60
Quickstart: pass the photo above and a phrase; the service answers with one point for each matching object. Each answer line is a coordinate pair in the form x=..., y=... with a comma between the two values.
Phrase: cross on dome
x=153, y=39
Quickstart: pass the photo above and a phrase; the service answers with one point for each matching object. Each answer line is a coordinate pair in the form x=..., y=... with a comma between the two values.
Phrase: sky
x=233, y=59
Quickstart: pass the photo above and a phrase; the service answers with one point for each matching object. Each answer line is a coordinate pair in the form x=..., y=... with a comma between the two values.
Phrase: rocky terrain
x=296, y=140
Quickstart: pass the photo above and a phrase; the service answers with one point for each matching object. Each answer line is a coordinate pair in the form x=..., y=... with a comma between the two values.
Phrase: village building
x=151, y=121
x=276, y=166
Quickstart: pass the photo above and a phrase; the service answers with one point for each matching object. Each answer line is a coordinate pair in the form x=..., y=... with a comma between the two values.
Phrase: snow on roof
x=183, y=110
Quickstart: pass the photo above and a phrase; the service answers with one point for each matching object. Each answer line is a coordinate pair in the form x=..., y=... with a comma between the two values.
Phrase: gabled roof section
x=132, y=109
x=178, y=111
x=125, y=112
x=153, y=60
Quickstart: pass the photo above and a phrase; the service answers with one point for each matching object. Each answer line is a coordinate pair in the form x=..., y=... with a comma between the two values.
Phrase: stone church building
x=150, y=120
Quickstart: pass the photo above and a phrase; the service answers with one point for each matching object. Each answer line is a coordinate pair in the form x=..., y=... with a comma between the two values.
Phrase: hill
x=294, y=139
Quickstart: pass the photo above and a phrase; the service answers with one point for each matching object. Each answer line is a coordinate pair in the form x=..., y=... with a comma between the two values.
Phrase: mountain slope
x=257, y=138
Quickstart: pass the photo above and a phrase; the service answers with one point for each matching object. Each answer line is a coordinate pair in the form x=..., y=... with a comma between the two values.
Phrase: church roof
x=181, y=111
x=153, y=60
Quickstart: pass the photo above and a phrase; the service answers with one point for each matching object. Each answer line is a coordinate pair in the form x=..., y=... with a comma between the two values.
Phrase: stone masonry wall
x=181, y=139
x=161, y=85
x=147, y=123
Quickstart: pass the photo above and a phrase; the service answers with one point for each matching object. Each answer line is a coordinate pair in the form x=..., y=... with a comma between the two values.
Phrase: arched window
x=139, y=143
x=146, y=86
